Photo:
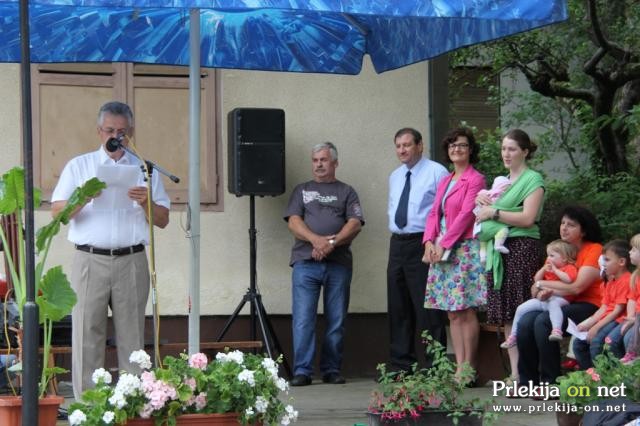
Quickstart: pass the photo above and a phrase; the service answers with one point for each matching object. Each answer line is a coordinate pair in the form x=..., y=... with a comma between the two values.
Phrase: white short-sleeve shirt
x=109, y=229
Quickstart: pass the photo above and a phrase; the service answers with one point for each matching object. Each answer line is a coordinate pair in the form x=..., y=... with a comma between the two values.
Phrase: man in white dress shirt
x=412, y=188
x=110, y=264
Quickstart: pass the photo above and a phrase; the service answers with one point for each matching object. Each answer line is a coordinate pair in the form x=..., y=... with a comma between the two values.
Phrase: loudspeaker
x=256, y=151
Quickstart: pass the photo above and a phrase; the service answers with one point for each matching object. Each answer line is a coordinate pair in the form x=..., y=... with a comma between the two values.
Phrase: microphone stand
x=147, y=169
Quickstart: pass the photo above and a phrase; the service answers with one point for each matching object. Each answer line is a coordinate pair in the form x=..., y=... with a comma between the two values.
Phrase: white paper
x=119, y=180
x=572, y=329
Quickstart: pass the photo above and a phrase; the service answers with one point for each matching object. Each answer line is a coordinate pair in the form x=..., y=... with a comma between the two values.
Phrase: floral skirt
x=460, y=282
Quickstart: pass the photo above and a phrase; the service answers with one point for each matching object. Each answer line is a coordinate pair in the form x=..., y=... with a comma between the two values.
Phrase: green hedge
x=615, y=200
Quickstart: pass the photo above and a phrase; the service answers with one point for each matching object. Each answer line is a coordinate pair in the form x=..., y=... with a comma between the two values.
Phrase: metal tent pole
x=194, y=180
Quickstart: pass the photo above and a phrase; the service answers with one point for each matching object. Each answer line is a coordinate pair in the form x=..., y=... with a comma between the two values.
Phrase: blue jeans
x=586, y=352
x=308, y=278
x=6, y=361
x=539, y=359
x=618, y=341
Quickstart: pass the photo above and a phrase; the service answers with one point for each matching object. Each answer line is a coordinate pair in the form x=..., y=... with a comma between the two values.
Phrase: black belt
x=111, y=252
x=412, y=236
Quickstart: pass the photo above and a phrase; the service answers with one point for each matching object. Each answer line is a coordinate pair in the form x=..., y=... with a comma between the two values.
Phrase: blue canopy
x=329, y=36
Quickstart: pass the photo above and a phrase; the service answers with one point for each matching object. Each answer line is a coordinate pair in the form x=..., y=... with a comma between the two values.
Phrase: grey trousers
x=101, y=282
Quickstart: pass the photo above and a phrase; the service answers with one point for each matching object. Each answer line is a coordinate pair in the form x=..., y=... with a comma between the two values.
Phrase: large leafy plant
x=55, y=297
x=408, y=395
x=608, y=374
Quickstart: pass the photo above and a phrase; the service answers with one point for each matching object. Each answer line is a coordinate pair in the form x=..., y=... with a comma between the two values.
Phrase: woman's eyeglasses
x=461, y=146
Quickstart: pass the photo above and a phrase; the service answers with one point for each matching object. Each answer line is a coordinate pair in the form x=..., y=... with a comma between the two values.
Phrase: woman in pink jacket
x=456, y=282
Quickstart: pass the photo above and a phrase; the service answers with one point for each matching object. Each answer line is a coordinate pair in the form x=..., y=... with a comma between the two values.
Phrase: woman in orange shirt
x=540, y=358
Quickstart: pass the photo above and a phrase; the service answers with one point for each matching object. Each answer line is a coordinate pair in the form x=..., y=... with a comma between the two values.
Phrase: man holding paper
x=110, y=267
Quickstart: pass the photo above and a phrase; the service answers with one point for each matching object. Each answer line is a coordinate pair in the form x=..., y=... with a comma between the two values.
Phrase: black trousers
x=539, y=359
x=406, y=282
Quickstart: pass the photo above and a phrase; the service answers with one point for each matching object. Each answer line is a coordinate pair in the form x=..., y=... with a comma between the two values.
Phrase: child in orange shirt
x=612, y=308
x=560, y=266
x=631, y=327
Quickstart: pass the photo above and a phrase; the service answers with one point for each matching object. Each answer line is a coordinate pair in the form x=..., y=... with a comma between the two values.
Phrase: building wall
x=359, y=114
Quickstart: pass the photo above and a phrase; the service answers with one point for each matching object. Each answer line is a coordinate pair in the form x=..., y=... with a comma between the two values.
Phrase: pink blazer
x=458, y=208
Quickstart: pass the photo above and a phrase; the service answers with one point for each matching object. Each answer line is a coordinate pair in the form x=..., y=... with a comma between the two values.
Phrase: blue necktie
x=403, y=205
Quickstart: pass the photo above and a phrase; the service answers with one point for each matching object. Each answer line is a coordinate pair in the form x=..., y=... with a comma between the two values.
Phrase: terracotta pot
x=568, y=419
x=225, y=419
x=426, y=418
x=11, y=410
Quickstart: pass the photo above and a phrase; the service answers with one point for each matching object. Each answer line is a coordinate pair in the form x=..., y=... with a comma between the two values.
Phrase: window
x=469, y=101
x=66, y=100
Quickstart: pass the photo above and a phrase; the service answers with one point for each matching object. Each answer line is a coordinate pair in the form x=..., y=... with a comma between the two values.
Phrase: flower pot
x=568, y=419
x=426, y=418
x=11, y=410
x=224, y=419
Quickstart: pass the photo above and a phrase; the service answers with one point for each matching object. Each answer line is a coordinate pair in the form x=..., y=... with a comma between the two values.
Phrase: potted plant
x=54, y=295
x=608, y=378
x=234, y=388
x=432, y=396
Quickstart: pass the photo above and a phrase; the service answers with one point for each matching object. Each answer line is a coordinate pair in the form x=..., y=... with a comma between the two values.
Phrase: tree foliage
x=589, y=65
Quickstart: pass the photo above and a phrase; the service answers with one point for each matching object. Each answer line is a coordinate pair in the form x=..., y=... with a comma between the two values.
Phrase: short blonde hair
x=566, y=250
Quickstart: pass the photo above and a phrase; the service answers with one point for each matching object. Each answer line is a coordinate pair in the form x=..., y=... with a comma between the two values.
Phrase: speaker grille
x=256, y=151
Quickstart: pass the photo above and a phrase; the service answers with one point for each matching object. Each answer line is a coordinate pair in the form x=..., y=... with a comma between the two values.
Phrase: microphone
x=113, y=144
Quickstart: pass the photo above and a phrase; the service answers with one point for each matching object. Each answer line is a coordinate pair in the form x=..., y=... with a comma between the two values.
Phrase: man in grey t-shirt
x=324, y=215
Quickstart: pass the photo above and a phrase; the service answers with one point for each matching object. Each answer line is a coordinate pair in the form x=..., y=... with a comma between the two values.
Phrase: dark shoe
x=333, y=378
x=300, y=380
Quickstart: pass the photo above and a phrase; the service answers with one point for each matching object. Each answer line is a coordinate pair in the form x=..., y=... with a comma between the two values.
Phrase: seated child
x=612, y=308
x=559, y=266
x=499, y=186
x=630, y=329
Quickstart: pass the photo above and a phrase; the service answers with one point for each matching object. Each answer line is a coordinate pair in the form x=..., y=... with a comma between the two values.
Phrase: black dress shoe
x=300, y=380
x=333, y=378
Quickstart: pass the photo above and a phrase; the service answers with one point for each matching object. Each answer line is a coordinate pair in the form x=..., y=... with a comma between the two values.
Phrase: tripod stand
x=255, y=299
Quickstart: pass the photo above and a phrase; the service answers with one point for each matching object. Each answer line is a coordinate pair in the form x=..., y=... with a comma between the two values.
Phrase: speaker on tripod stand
x=256, y=167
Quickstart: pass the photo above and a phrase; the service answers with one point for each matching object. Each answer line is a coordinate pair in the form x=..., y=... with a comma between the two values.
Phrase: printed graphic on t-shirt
x=310, y=196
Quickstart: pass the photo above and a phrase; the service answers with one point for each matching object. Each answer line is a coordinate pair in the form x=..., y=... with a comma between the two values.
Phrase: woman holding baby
x=456, y=282
x=518, y=210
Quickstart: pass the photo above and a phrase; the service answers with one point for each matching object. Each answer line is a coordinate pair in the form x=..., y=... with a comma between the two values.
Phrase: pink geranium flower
x=594, y=375
x=198, y=360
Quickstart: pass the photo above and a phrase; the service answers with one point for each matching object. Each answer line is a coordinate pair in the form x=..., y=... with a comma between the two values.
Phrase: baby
x=560, y=266
x=500, y=185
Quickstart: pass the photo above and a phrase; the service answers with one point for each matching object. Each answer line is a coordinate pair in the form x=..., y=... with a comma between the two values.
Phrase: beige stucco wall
x=358, y=113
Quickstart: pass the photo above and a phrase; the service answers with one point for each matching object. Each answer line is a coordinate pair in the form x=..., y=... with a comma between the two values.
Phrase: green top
x=511, y=201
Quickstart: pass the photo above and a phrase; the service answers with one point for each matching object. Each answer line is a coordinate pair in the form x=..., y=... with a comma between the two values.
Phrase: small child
x=612, y=308
x=499, y=186
x=631, y=328
x=559, y=266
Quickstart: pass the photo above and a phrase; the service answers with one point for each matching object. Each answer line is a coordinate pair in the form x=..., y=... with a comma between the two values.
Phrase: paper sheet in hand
x=572, y=329
x=118, y=179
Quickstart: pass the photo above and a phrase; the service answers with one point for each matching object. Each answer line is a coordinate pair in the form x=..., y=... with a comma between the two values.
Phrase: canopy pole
x=194, y=180
x=30, y=310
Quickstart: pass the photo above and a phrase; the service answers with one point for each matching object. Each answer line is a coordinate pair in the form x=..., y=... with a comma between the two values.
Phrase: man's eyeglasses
x=115, y=132
x=461, y=146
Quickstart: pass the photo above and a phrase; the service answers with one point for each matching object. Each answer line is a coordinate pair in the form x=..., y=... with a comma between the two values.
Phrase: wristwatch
x=332, y=242
x=538, y=285
x=496, y=214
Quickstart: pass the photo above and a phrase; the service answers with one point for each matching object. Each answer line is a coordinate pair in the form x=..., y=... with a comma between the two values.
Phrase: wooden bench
x=488, y=368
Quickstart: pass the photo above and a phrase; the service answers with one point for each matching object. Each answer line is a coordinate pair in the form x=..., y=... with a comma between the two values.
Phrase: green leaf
x=16, y=368
x=79, y=197
x=52, y=371
x=12, y=197
x=56, y=298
